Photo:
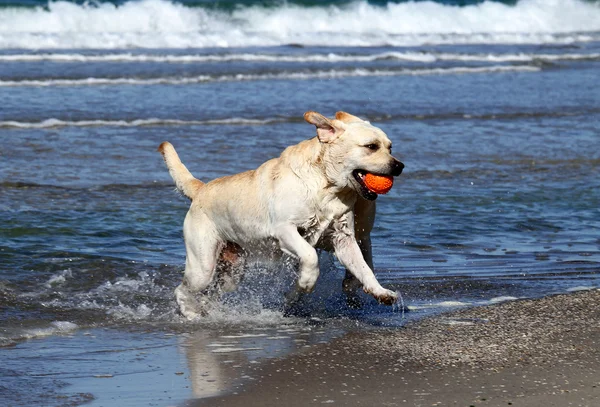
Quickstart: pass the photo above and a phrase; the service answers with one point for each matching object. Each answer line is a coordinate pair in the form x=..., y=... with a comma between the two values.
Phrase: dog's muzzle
x=397, y=168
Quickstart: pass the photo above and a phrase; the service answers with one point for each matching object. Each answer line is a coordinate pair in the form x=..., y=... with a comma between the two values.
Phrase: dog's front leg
x=293, y=244
x=349, y=254
x=364, y=218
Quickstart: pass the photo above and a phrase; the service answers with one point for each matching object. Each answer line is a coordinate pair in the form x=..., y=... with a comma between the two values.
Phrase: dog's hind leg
x=229, y=267
x=202, y=250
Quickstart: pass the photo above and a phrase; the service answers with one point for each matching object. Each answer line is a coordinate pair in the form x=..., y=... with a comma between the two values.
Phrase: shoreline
x=523, y=353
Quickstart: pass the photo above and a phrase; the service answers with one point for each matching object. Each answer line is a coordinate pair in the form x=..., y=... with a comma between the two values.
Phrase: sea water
x=494, y=108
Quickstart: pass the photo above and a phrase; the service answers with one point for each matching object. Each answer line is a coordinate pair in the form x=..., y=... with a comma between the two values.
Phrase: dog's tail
x=184, y=180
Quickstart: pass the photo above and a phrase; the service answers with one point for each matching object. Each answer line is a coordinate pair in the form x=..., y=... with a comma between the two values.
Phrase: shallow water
x=499, y=198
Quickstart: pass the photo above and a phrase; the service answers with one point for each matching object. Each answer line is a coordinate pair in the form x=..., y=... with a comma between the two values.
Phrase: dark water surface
x=499, y=199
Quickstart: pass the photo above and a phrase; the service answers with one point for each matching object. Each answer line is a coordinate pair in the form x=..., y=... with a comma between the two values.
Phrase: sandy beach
x=520, y=353
x=490, y=105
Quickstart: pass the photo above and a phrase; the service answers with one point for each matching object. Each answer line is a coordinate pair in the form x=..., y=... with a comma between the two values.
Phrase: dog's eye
x=372, y=147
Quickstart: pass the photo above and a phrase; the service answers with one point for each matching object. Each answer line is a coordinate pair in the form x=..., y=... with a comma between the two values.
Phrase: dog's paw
x=189, y=307
x=188, y=314
x=388, y=299
x=384, y=296
x=306, y=284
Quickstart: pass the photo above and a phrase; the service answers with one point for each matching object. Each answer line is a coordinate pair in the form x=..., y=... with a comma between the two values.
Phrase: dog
x=313, y=196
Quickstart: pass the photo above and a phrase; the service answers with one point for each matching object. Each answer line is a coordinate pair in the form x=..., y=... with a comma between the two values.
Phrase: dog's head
x=352, y=148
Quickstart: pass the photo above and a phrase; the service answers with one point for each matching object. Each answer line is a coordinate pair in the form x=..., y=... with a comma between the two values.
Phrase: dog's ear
x=347, y=117
x=327, y=130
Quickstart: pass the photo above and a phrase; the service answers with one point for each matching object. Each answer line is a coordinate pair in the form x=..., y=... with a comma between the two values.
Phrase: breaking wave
x=316, y=74
x=165, y=24
x=424, y=57
x=53, y=123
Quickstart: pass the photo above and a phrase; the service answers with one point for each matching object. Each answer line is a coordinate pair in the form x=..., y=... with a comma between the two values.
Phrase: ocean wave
x=317, y=74
x=424, y=57
x=240, y=121
x=244, y=57
x=53, y=123
x=165, y=24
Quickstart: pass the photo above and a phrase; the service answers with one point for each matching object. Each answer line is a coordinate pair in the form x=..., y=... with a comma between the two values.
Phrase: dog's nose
x=397, y=168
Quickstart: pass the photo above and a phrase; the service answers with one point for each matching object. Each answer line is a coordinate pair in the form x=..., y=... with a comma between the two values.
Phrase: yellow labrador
x=312, y=196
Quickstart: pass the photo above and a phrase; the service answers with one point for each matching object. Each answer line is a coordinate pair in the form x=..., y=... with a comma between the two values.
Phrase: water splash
x=165, y=24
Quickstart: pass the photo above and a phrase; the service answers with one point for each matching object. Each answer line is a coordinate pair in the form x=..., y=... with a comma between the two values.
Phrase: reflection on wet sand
x=218, y=361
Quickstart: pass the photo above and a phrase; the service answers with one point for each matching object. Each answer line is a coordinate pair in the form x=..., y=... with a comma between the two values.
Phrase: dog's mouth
x=365, y=192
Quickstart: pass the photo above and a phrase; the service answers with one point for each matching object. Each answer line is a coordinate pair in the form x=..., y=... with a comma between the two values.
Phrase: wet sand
x=542, y=352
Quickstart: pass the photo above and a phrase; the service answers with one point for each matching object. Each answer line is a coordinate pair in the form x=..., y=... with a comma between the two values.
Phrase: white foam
x=452, y=304
x=243, y=336
x=424, y=57
x=319, y=74
x=232, y=350
x=165, y=24
x=58, y=278
x=522, y=57
x=195, y=58
x=441, y=304
x=580, y=288
x=249, y=313
x=219, y=345
x=121, y=311
x=53, y=123
x=497, y=300
x=56, y=327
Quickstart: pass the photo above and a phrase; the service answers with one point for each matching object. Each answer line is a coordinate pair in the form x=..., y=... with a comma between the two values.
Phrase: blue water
x=497, y=120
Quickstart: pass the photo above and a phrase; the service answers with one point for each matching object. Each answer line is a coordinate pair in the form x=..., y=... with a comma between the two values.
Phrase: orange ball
x=380, y=184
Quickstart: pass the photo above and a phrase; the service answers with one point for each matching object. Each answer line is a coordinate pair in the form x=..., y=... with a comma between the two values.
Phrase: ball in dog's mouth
x=373, y=184
x=380, y=184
